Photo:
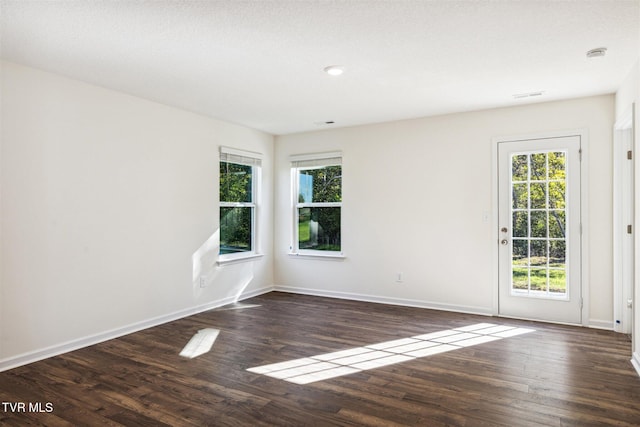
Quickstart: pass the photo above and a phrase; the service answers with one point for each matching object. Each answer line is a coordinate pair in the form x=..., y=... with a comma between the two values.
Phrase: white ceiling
x=259, y=63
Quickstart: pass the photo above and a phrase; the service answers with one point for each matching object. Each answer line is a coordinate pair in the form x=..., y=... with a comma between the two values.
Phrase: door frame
x=584, y=213
x=623, y=215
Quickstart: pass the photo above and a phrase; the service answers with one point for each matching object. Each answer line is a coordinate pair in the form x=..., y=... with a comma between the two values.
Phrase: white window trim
x=308, y=254
x=307, y=162
x=253, y=159
x=248, y=256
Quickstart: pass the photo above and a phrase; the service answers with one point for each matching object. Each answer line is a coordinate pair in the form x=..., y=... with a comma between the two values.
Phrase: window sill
x=328, y=256
x=239, y=259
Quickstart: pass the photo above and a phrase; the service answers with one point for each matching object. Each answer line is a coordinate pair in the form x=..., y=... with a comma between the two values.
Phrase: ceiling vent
x=597, y=52
x=528, y=95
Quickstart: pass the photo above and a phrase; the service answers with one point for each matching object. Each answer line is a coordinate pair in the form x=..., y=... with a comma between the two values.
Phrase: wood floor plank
x=555, y=376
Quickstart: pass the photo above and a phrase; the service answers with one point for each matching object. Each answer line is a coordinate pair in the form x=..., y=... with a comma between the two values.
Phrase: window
x=318, y=204
x=239, y=178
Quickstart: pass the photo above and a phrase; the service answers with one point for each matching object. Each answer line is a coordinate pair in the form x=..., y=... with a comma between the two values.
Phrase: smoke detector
x=334, y=70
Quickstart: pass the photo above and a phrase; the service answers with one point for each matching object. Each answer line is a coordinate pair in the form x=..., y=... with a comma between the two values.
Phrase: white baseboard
x=34, y=356
x=635, y=361
x=483, y=311
x=55, y=350
x=593, y=323
x=601, y=324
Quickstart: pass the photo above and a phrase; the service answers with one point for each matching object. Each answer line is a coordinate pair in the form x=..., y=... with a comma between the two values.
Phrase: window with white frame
x=239, y=181
x=317, y=201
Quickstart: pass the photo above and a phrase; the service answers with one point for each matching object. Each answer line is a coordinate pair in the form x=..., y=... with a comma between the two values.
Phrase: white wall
x=415, y=194
x=628, y=94
x=105, y=200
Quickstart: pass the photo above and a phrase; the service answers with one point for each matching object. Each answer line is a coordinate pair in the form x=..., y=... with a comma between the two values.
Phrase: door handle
x=504, y=242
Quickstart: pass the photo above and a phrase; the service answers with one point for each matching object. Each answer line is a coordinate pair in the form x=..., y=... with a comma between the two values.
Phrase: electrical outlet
x=203, y=282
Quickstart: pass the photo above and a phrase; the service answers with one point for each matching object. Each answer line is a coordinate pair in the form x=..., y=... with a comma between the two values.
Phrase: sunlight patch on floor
x=200, y=343
x=345, y=362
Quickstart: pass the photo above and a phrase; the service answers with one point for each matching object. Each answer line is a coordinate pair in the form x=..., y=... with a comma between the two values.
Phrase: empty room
x=319, y=212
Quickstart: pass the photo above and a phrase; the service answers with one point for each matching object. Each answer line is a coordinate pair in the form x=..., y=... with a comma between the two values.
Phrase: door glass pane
x=520, y=167
x=557, y=195
x=557, y=264
x=520, y=224
x=539, y=224
x=520, y=278
x=539, y=279
x=538, y=191
x=520, y=252
x=557, y=224
x=557, y=163
x=520, y=196
x=539, y=253
x=557, y=251
x=538, y=195
x=539, y=167
x=557, y=281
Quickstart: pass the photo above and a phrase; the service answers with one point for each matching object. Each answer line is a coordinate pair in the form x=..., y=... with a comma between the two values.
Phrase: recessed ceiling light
x=334, y=70
x=599, y=51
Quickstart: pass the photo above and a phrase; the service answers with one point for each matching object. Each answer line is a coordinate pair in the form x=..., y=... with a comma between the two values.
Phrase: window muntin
x=318, y=204
x=538, y=200
x=239, y=175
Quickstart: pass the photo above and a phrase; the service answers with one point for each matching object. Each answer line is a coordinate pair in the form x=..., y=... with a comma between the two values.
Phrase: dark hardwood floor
x=555, y=376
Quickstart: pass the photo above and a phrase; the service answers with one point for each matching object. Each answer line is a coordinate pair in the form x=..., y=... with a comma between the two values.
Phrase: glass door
x=539, y=216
